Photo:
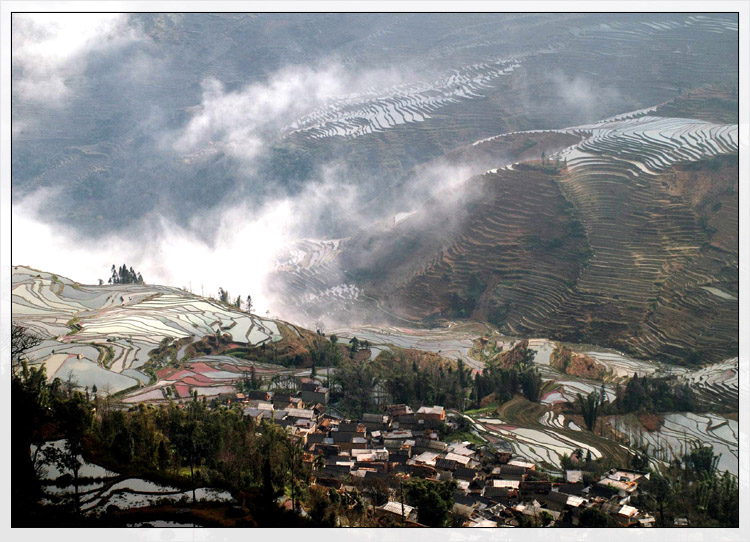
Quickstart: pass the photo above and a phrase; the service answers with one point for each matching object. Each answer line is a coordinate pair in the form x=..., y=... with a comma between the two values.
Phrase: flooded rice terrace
x=100, y=488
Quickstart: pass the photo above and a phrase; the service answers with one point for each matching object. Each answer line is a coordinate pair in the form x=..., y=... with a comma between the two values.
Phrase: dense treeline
x=641, y=394
x=656, y=395
x=505, y=382
x=400, y=377
x=418, y=378
x=125, y=275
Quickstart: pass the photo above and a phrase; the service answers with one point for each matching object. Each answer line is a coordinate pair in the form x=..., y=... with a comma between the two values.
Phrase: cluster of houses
x=493, y=488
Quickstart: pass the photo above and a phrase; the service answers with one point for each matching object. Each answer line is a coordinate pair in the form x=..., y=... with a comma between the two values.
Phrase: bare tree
x=21, y=342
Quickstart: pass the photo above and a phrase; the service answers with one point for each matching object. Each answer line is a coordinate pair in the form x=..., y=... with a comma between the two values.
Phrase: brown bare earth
x=425, y=360
x=576, y=364
x=711, y=103
x=651, y=421
x=513, y=356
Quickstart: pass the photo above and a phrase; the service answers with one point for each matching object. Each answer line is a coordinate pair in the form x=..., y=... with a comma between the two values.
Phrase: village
x=377, y=454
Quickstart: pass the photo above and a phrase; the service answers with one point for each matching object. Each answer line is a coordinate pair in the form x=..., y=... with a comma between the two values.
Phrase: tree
x=223, y=295
x=125, y=275
x=357, y=381
x=531, y=384
x=353, y=347
x=702, y=460
x=589, y=408
x=21, y=342
x=639, y=461
x=248, y=304
x=191, y=440
x=293, y=454
x=434, y=500
x=30, y=397
x=75, y=417
x=525, y=360
x=595, y=517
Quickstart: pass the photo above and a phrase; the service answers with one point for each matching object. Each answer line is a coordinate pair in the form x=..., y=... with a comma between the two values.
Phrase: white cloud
x=239, y=123
x=51, y=49
x=581, y=94
x=238, y=258
x=242, y=123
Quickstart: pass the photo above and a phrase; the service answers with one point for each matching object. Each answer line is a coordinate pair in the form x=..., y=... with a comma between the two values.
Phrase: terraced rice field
x=717, y=384
x=102, y=488
x=565, y=390
x=542, y=440
x=538, y=433
x=652, y=144
x=102, y=335
x=379, y=109
x=450, y=343
x=681, y=431
x=308, y=274
x=205, y=375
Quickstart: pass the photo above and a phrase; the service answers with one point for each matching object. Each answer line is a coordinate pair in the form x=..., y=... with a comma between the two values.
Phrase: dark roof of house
x=429, y=443
x=421, y=470
x=466, y=500
x=316, y=437
x=404, y=469
x=512, y=469
x=570, y=489
x=345, y=436
x=370, y=417
x=398, y=409
x=335, y=471
x=258, y=394
x=465, y=473
x=491, y=491
x=352, y=427
x=477, y=483
x=601, y=491
x=328, y=449
x=258, y=413
x=372, y=475
x=535, y=487
x=554, y=496
x=446, y=464
x=516, y=477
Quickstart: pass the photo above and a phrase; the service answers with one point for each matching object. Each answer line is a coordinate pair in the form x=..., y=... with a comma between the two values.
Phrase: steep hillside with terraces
x=627, y=238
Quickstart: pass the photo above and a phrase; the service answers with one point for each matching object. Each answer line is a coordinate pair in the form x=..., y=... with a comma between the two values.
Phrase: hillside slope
x=124, y=336
x=626, y=237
